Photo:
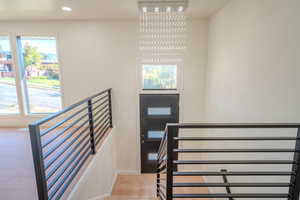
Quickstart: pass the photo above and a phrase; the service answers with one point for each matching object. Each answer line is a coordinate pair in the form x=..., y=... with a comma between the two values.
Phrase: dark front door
x=156, y=110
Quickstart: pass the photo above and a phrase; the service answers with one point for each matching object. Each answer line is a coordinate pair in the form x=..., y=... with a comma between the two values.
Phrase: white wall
x=253, y=67
x=98, y=178
x=253, y=76
x=95, y=55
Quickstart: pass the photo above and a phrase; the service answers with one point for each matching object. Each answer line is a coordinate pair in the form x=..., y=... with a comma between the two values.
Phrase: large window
x=8, y=92
x=40, y=70
x=159, y=77
x=38, y=67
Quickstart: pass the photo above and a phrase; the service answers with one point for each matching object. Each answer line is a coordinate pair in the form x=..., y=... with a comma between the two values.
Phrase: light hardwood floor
x=17, y=178
x=143, y=187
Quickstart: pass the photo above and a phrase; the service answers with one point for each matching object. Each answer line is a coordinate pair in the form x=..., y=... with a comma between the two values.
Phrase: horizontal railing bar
x=162, y=195
x=180, y=162
x=101, y=136
x=64, y=188
x=100, y=99
x=234, y=125
x=234, y=138
x=163, y=148
x=163, y=140
x=245, y=173
x=63, y=121
x=105, y=113
x=66, y=176
x=66, y=138
x=101, y=104
x=233, y=195
x=54, y=115
x=162, y=155
x=100, y=128
x=84, y=149
x=60, y=133
x=52, y=171
x=65, y=148
x=231, y=184
x=162, y=171
x=233, y=150
x=161, y=186
x=162, y=168
x=162, y=163
x=102, y=121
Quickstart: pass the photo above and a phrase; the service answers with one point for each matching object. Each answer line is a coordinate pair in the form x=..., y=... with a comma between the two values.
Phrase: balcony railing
x=169, y=160
x=63, y=142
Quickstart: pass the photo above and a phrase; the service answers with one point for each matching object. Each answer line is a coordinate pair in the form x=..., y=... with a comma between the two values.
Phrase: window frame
x=23, y=101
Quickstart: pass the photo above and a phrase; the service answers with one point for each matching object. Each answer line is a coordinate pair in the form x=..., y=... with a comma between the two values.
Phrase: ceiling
x=91, y=9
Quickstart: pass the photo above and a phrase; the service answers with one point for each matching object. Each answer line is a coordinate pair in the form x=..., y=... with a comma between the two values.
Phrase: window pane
x=155, y=134
x=159, y=77
x=152, y=156
x=41, y=73
x=159, y=111
x=8, y=94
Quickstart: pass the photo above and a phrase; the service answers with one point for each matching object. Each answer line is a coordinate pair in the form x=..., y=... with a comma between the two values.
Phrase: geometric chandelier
x=162, y=30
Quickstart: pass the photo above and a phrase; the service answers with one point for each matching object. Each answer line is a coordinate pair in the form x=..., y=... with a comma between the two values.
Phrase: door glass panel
x=152, y=156
x=159, y=111
x=155, y=134
x=40, y=73
x=8, y=92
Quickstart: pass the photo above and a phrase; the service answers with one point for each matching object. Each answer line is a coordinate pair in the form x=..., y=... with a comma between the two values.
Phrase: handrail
x=54, y=115
x=168, y=161
x=61, y=150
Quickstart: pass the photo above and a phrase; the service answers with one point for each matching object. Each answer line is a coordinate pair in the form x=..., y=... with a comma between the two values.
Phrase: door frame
x=169, y=117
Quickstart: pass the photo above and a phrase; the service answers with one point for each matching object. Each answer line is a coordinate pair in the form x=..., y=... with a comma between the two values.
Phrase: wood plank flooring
x=143, y=187
x=17, y=178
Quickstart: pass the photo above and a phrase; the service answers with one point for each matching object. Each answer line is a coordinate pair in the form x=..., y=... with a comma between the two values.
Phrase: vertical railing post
x=171, y=130
x=91, y=124
x=295, y=178
x=225, y=180
x=37, y=153
x=157, y=179
x=110, y=108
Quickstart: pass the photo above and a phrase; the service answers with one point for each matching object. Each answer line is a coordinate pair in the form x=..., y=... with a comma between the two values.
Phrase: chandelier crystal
x=162, y=31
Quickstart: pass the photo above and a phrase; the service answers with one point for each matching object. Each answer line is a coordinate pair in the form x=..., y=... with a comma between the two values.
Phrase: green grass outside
x=39, y=81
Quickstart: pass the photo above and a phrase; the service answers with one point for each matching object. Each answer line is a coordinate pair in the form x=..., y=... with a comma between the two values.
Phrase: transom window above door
x=159, y=77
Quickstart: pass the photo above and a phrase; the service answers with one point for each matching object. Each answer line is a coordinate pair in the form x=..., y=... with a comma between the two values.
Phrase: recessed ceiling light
x=65, y=8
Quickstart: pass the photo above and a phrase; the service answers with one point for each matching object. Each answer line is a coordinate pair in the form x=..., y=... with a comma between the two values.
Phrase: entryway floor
x=143, y=187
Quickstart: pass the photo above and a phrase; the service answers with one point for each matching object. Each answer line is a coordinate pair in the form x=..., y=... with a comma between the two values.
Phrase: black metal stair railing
x=64, y=141
x=168, y=162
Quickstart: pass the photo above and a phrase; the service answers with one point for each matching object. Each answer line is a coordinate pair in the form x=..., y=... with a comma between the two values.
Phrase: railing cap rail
x=54, y=115
x=234, y=125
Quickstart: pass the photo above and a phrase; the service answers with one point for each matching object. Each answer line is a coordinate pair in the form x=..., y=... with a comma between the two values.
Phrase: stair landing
x=134, y=187
x=143, y=187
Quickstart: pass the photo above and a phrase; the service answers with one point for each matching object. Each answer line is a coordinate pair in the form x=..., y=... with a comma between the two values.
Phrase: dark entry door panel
x=156, y=110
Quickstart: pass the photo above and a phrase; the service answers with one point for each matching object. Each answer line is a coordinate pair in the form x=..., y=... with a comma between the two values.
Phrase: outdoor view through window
x=8, y=93
x=159, y=77
x=39, y=73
